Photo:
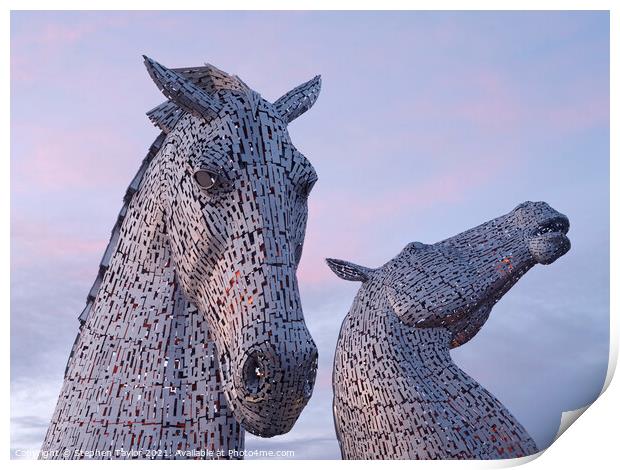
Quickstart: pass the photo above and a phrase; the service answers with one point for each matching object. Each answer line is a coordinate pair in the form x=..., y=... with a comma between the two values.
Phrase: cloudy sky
x=428, y=124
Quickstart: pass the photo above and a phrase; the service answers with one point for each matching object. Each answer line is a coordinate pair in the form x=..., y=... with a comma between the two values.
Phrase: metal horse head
x=455, y=283
x=393, y=351
x=233, y=199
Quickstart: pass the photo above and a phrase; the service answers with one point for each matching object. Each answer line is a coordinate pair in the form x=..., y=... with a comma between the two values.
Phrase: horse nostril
x=254, y=373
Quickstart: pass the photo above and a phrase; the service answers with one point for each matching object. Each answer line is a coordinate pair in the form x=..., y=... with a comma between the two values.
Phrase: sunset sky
x=428, y=124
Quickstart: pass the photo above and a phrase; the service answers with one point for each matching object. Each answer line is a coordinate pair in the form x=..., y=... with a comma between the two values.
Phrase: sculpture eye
x=205, y=179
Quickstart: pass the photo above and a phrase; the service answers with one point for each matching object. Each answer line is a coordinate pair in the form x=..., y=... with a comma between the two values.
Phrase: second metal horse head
x=397, y=392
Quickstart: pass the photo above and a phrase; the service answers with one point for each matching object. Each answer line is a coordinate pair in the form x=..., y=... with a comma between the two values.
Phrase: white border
x=591, y=443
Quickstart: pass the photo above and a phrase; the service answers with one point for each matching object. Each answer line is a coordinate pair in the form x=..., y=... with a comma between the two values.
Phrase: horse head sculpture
x=455, y=283
x=233, y=199
x=397, y=392
x=193, y=330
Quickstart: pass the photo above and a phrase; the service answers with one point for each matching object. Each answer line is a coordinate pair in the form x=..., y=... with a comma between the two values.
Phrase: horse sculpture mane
x=397, y=392
x=193, y=329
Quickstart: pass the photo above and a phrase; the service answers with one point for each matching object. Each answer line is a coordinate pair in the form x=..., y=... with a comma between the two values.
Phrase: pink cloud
x=357, y=211
x=59, y=31
x=89, y=158
x=484, y=98
x=580, y=112
x=36, y=243
x=449, y=186
x=324, y=379
x=491, y=100
x=496, y=104
x=62, y=33
x=322, y=241
x=35, y=49
x=46, y=42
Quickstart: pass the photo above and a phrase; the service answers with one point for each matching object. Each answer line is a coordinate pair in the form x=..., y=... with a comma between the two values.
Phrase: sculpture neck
x=143, y=251
x=422, y=348
x=427, y=344
x=139, y=280
x=371, y=322
x=151, y=351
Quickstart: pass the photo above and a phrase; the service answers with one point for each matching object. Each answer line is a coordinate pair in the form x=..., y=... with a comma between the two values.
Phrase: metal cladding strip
x=397, y=392
x=193, y=331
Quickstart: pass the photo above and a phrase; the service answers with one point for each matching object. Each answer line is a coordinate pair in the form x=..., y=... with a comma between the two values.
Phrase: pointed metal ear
x=299, y=100
x=182, y=91
x=349, y=271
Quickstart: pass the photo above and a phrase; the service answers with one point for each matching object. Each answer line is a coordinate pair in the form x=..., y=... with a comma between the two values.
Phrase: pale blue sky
x=428, y=123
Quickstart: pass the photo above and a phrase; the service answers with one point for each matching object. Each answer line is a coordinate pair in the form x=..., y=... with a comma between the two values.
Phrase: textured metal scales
x=397, y=392
x=193, y=330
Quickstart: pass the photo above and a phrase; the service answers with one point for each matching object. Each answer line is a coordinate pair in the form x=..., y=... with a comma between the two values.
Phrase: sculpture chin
x=265, y=431
x=255, y=420
x=548, y=247
x=258, y=403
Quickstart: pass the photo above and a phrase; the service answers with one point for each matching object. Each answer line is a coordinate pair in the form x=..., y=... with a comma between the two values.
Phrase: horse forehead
x=249, y=106
x=277, y=148
x=260, y=131
x=420, y=253
x=434, y=263
x=274, y=167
